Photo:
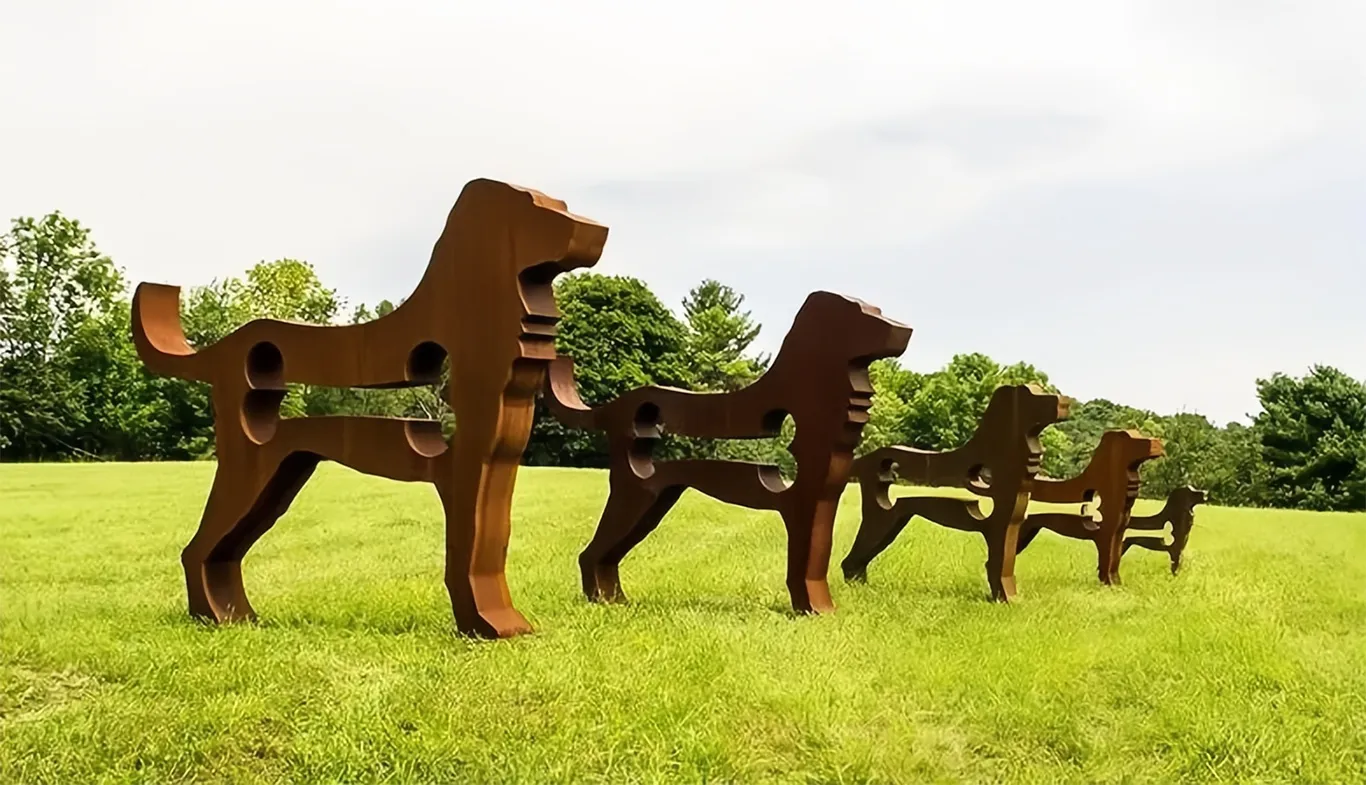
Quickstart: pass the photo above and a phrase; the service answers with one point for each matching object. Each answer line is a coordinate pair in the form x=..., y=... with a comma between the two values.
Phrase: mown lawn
x=1250, y=667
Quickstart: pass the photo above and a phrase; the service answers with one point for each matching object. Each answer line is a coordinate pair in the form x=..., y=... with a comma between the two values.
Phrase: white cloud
x=744, y=139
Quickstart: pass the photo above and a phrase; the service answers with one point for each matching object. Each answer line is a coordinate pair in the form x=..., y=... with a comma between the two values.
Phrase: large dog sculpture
x=1112, y=474
x=1179, y=511
x=999, y=462
x=485, y=302
x=819, y=377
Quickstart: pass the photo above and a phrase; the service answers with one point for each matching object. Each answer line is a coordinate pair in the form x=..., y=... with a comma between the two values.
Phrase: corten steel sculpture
x=1179, y=511
x=485, y=302
x=999, y=463
x=1112, y=475
x=819, y=377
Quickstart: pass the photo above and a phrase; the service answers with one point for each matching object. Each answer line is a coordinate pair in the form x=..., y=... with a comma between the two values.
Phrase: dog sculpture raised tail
x=159, y=337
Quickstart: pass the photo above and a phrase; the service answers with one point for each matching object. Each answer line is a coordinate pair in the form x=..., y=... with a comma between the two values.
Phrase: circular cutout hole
x=425, y=437
x=424, y=363
x=773, y=422
x=890, y=471
x=979, y=477
x=1091, y=507
x=261, y=414
x=647, y=421
x=265, y=367
x=648, y=430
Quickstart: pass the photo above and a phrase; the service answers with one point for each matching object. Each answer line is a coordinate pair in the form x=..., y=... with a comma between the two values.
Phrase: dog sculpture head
x=1024, y=410
x=1188, y=496
x=1132, y=446
x=1129, y=448
x=834, y=331
x=542, y=238
x=845, y=328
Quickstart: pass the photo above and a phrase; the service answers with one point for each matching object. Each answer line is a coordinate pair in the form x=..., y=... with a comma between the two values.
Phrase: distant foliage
x=940, y=410
x=1313, y=436
x=621, y=337
x=72, y=387
x=719, y=334
x=58, y=298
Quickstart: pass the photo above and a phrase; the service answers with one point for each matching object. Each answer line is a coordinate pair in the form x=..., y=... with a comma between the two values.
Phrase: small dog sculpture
x=1113, y=475
x=1179, y=511
x=819, y=377
x=999, y=462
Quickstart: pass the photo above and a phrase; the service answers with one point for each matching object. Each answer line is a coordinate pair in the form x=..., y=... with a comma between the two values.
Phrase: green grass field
x=1249, y=667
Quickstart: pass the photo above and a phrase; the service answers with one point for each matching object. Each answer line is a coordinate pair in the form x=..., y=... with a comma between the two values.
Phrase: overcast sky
x=1154, y=202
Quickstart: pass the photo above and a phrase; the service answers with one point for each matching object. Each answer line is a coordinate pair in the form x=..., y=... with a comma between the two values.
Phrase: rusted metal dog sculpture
x=486, y=302
x=1112, y=474
x=819, y=377
x=999, y=462
x=1179, y=511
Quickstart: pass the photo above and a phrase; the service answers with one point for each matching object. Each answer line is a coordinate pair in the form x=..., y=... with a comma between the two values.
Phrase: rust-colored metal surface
x=998, y=463
x=1179, y=512
x=819, y=377
x=485, y=302
x=1111, y=475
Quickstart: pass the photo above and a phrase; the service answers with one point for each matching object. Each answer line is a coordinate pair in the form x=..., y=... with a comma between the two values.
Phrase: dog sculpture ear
x=557, y=238
x=541, y=229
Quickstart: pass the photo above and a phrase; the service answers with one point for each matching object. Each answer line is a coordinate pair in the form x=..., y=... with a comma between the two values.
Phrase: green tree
x=941, y=410
x=719, y=336
x=286, y=289
x=1191, y=449
x=133, y=415
x=363, y=313
x=1058, y=452
x=1082, y=430
x=1313, y=437
x=53, y=283
x=621, y=337
x=1238, y=475
x=887, y=420
x=946, y=406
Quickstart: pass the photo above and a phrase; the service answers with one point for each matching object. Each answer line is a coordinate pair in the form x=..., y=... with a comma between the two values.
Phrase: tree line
x=72, y=387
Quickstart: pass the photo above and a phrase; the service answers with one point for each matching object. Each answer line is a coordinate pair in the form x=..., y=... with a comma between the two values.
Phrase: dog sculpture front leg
x=475, y=485
x=1001, y=549
x=810, y=531
x=1109, y=548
